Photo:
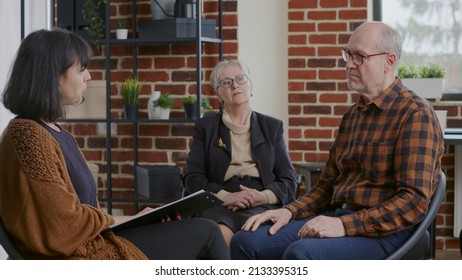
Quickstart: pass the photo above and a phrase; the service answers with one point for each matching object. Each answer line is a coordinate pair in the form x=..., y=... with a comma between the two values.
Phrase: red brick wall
x=317, y=93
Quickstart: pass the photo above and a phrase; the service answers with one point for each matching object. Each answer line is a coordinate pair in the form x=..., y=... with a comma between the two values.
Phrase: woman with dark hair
x=48, y=199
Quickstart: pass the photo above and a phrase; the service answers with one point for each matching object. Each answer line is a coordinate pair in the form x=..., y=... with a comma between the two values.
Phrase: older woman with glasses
x=239, y=154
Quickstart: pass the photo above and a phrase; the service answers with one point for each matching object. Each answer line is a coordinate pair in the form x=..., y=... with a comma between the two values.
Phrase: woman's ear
x=217, y=92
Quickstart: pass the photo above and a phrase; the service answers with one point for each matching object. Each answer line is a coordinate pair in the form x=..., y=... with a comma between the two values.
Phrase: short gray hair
x=217, y=71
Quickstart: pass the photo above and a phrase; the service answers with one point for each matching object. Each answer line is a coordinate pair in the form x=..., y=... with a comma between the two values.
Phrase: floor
x=440, y=254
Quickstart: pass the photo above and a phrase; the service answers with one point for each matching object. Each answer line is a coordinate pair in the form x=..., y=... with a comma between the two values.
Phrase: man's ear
x=390, y=63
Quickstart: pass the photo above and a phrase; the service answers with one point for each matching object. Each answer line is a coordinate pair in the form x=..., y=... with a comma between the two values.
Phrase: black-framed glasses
x=240, y=80
x=358, y=59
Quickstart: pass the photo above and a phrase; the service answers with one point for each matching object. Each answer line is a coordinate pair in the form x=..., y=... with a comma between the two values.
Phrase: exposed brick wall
x=317, y=93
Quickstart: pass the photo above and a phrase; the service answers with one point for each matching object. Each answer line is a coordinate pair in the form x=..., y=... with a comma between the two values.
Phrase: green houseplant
x=432, y=70
x=121, y=24
x=130, y=90
x=162, y=106
x=93, y=10
x=121, y=31
x=189, y=104
x=426, y=79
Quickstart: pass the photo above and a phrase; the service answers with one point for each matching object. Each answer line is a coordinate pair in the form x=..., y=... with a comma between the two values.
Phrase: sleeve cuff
x=272, y=198
x=222, y=193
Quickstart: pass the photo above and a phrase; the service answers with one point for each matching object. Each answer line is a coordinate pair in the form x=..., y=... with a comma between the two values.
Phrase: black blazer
x=210, y=156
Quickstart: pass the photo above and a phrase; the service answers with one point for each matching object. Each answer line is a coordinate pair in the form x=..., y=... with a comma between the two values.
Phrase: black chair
x=8, y=244
x=420, y=244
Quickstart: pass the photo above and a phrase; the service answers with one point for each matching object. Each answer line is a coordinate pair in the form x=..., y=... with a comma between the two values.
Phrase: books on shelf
x=184, y=207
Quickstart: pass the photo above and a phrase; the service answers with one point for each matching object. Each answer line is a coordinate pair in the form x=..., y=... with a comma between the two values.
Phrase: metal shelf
x=136, y=41
x=140, y=120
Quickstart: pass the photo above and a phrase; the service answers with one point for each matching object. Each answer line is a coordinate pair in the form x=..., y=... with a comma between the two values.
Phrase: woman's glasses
x=240, y=80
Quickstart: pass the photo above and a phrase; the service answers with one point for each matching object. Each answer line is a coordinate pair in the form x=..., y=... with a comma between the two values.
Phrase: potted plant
x=426, y=80
x=130, y=90
x=94, y=18
x=162, y=106
x=205, y=105
x=190, y=107
x=121, y=31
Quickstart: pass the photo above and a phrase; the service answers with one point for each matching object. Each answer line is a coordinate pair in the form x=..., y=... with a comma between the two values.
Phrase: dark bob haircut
x=32, y=90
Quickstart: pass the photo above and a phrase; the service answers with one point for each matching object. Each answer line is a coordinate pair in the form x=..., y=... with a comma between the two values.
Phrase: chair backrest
x=8, y=244
x=418, y=244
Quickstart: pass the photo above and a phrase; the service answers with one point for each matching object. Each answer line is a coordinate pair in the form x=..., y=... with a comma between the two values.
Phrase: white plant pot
x=161, y=113
x=152, y=98
x=121, y=33
x=429, y=88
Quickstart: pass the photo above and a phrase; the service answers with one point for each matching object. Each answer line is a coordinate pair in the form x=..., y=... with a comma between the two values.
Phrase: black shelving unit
x=134, y=43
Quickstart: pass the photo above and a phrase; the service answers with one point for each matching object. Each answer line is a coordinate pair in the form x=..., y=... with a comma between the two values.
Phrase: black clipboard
x=185, y=207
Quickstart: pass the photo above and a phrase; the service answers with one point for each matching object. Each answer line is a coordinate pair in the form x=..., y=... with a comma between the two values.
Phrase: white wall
x=10, y=16
x=262, y=36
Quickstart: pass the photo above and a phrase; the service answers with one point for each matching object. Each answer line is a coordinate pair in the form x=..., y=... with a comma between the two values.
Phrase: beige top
x=242, y=162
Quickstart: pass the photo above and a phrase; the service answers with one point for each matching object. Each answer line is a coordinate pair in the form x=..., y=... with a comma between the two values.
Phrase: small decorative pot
x=152, y=98
x=121, y=33
x=161, y=113
x=190, y=111
x=131, y=111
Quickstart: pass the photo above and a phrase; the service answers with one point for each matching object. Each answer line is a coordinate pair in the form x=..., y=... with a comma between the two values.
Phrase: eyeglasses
x=358, y=59
x=240, y=80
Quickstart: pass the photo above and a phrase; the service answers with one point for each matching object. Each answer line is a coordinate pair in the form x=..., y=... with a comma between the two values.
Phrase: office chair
x=420, y=244
x=8, y=244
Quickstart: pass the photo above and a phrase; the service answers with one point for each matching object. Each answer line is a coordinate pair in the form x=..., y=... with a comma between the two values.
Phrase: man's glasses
x=358, y=59
x=240, y=80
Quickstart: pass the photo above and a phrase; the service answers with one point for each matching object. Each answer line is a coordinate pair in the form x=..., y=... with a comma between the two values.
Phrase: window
x=431, y=31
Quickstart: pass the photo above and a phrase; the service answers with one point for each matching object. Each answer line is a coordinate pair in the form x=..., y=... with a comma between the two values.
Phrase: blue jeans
x=286, y=245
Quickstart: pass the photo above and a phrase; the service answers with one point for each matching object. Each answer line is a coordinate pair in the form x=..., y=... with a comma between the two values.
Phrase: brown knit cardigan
x=40, y=207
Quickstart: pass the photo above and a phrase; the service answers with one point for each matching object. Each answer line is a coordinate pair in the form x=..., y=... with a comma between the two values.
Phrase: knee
x=296, y=252
x=241, y=245
x=209, y=226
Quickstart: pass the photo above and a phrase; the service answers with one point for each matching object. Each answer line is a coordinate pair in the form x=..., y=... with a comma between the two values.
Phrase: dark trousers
x=187, y=239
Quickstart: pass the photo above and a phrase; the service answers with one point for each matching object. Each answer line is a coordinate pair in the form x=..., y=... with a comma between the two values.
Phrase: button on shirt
x=385, y=164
